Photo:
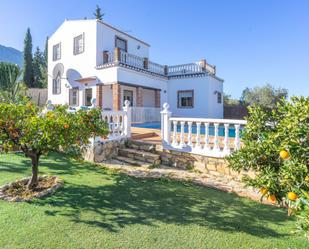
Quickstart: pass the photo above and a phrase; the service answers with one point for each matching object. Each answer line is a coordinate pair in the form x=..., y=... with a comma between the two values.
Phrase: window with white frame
x=73, y=97
x=88, y=97
x=121, y=43
x=185, y=99
x=79, y=44
x=57, y=52
x=57, y=85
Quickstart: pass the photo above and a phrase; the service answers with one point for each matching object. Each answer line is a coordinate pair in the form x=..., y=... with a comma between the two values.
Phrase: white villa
x=89, y=59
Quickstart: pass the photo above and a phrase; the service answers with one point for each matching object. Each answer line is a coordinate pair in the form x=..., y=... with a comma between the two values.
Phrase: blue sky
x=251, y=42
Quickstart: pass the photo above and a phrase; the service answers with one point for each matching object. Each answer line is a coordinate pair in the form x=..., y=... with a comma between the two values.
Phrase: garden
x=51, y=198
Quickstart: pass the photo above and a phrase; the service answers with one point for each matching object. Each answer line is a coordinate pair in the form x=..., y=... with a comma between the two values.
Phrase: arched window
x=57, y=85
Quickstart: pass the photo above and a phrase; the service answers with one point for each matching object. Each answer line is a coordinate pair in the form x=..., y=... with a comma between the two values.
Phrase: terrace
x=124, y=59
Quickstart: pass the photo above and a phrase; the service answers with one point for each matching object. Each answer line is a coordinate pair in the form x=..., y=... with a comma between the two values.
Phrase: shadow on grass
x=116, y=200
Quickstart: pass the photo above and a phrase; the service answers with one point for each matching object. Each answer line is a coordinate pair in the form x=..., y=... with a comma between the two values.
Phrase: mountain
x=12, y=55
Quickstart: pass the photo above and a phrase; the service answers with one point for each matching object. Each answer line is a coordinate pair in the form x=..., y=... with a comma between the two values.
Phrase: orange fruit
x=284, y=154
x=292, y=196
x=66, y=126
x=272, y=198
x=263, y=191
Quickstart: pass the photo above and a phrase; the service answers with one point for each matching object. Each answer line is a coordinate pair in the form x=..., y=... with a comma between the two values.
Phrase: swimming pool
x=157, y=125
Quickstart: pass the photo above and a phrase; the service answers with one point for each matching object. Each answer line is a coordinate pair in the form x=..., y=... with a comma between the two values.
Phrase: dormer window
x=79, y=44
x=57, y=52
x=121, y=43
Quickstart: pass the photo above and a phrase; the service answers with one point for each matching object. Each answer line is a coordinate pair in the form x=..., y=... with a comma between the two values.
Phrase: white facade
x=98, y=61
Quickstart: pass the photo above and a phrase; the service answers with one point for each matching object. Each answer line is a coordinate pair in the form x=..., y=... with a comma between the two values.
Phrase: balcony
x=120, y=58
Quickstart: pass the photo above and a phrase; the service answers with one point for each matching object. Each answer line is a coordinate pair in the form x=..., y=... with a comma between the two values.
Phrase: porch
x=144, y=101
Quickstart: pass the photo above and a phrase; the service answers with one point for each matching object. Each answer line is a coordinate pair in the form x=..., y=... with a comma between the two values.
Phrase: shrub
x=276, y=147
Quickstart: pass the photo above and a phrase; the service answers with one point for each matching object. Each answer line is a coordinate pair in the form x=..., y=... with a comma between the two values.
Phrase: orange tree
x=276, y=147
x=26, y=127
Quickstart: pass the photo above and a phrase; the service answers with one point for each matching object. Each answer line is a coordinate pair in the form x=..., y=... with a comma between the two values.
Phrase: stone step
x=139, y=145
x=132, y=162
x=140, y=155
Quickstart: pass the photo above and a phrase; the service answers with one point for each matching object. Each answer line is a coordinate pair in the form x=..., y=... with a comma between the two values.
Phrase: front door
x=128, y=95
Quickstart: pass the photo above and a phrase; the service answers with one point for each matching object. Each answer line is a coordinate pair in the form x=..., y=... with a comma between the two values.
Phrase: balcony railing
x=130, y=60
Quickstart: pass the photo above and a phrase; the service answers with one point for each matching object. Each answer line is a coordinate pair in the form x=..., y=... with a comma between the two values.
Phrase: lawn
x=98, y=208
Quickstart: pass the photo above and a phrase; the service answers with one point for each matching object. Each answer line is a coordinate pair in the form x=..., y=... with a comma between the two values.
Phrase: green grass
x=98, y=208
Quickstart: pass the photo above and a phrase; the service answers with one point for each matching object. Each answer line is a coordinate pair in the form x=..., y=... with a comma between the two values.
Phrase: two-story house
x=90, y=59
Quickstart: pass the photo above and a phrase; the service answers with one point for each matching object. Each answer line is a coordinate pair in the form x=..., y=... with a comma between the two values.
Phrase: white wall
x=205, y=101
x=82, y=64
x=106, y=41
x=107, y=97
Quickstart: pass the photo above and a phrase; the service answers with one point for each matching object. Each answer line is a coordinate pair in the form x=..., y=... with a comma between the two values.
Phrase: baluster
x=237, y=140
x=117, y=125
x=182, y=134
x=206, y=146
x=226, y=148
x=174, y=143
x=198, y=135
x=189, y=143
x=216, y=140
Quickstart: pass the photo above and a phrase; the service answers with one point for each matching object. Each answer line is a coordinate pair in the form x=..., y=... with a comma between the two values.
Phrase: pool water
x=157, y=125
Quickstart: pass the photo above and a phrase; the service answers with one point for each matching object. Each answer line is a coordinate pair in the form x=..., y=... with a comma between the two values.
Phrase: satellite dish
x=58, y=70
x=72, y=75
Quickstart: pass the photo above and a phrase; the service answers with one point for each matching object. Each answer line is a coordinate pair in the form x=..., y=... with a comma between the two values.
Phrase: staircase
x=139, y=153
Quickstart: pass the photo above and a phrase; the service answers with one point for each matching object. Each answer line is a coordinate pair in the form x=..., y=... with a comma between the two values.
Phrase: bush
x=276, y=147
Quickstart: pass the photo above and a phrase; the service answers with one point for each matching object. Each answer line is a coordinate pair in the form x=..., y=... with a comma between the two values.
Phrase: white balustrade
x=155, y=68
x=132, y=60
x=119, y=122
x=216, y=142
x=139, y=62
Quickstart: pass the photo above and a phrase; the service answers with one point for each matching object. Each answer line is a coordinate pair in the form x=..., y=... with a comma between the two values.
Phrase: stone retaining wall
x=203, y=164
x=102, y=151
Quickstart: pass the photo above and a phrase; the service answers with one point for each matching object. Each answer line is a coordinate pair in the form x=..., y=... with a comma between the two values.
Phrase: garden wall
x=235, y=111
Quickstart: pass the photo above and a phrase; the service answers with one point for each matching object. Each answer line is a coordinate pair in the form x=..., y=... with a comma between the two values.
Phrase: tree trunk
x=33, y=182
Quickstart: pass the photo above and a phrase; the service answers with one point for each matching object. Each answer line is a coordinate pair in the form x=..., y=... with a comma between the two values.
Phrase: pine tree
x=98, y=15
x=46, y=50
x=37, y=62
x=28, y=68
x=39, y=69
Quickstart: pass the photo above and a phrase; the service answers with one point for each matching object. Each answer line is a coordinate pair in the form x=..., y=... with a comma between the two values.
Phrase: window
x=219, y=98
x=57, y=85
x=79, y=44
x=73, y=97
x=57, y=52
x=88, y=97
x=128, y=95
x=121, y=43
x=185, y=99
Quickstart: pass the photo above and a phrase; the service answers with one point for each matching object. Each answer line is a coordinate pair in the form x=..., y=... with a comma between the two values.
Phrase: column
x=116, y=97
x=139, y=96
x=99, y=95
x=157, y=98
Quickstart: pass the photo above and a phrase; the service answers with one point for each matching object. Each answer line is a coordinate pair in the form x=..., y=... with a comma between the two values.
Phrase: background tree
x=266, y=96
x=28, y=77
x=98, y=14
x=39, y=69
x=35, y=133
x=228, y=100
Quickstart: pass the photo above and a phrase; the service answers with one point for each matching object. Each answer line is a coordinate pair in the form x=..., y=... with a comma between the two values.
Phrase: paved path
x=217, y=182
